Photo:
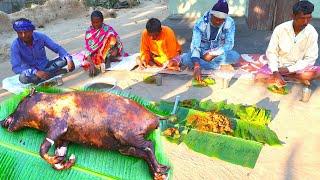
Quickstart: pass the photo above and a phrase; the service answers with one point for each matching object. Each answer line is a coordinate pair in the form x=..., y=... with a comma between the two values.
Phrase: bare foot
x=71, y=66
x=197, y=73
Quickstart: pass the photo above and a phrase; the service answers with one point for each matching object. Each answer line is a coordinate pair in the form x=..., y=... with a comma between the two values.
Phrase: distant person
x=159, y=46
x=293, y=48
x=28, y=55
x=212, y=41
x=102, y=44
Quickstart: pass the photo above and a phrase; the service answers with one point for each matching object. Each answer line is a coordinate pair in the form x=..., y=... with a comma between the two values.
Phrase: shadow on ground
x=172, y=85
x=273, y=106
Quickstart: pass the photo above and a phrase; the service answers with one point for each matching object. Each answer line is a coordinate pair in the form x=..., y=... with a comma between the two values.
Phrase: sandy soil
x=297, y=124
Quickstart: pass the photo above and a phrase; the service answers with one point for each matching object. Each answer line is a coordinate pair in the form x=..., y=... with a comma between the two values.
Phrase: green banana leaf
x=256, y=132
x=227, y=148
x=50, y=90
x=278, y=90
x=248, y=122
x=149, y=79
x=248, y=113
x=207, y=81
x=239, y=111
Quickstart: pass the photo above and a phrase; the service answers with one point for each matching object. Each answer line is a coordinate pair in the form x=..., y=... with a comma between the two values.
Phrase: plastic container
x=103, y=67
x=225, y=83
x=306, y=94
x=59, y=81
x=158, y=79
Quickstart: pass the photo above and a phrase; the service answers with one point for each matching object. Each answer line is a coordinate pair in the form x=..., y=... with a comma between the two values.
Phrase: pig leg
x=133, y=151
x=58, y=129
x=148, y=147
x=61, y=151
x=145, y=149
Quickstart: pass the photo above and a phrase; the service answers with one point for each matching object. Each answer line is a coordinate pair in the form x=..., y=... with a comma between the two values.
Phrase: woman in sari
x=102, y=45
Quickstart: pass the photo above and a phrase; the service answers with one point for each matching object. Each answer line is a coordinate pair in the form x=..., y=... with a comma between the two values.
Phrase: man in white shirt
x=293, y=48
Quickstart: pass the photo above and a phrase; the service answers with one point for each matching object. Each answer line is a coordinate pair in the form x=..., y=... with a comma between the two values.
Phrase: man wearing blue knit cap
x=28, y=55
x=212, y=41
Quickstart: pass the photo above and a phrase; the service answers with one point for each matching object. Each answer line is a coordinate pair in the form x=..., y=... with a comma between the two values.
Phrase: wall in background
x=316, y=12
x=195, y=8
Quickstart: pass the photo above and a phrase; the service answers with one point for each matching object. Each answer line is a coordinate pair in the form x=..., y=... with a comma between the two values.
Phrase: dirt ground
x=296, y=123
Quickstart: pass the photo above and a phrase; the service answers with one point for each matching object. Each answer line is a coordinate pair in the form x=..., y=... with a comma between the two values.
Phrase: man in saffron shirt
x=159, y=46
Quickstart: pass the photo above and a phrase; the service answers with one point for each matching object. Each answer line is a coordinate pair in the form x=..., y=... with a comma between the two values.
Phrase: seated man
x=293, y=48
x=159, y=46
x=28, y=55
x=212, y=41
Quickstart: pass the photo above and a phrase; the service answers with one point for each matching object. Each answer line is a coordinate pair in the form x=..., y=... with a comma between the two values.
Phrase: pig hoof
x=58, y=166
x=54, y=160
x=72, y=157
x=68, y=164
x=65, y=165
x=159, y=176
